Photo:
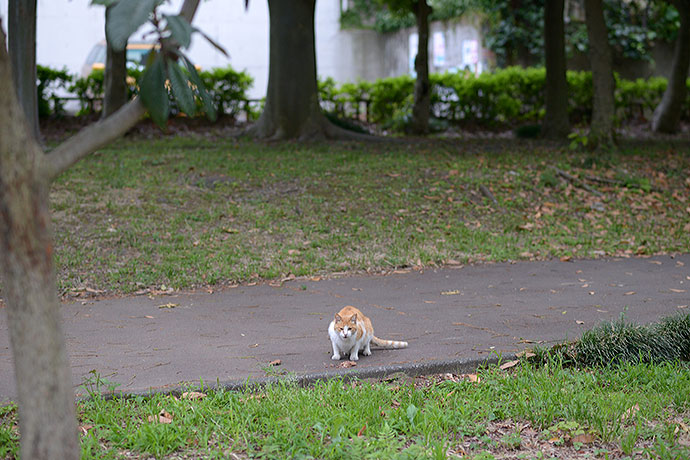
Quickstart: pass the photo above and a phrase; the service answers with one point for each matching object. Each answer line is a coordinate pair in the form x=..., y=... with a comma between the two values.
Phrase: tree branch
x=103, y=132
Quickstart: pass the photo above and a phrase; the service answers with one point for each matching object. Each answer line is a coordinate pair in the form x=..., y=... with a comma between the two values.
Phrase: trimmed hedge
x=509, y=96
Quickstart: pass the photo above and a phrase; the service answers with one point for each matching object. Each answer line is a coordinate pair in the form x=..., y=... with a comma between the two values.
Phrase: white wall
x=68, y=29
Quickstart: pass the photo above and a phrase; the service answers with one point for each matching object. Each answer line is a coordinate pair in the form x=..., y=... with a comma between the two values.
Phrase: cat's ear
x=353, y=320
x=338, y=318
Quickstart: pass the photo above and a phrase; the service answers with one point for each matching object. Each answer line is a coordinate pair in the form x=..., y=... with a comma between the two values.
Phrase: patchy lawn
x=201, y=211
x=635, y=411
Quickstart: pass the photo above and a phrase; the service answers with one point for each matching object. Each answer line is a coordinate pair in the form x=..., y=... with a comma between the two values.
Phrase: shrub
x=49, y=82
x=228, y=88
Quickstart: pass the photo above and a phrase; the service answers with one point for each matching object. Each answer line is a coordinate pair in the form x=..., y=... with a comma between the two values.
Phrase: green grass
x=195, y=211
x=637, y=410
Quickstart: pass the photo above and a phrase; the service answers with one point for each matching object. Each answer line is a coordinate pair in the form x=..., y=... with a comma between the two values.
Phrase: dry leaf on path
x=677, y=291
x=346, y=364
x=455, y=292
x=275, y=362
x=577, y=321
x=525, y=354
x=193, y=395
x=630, y=293
x=168, y=305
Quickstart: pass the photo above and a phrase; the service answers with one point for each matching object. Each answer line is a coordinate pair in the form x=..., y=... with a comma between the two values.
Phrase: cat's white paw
x=335, y=357
x=354, y=358
x=366, y=352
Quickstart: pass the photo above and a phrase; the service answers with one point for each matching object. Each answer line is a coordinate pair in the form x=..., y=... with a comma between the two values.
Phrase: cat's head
x=345, y=326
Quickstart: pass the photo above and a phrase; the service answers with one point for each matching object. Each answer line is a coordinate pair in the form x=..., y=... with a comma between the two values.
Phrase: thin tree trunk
x=422, y=87
x=667, y=114
x=44, y=380
x=22, y=48
x=601, y=130
x=115, y=92
x=556, y=123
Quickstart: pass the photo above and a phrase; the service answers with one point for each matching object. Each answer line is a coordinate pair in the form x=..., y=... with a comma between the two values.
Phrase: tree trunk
x=667, y=114
x=44, y=382
x=422, y=87
x=292, y=99
x=115, y=77
x=601, y=129
x=556, y=124
x=22, y=48
x=292, y=109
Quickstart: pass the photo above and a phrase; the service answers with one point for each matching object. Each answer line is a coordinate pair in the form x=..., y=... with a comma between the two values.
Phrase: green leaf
x=180, y=29
x=411, y=412
x=209, y=108
x=125, y=18
x=180, y=88
x=152, y=91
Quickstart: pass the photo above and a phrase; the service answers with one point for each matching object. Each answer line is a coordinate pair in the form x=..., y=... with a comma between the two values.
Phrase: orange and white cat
x=352, y=332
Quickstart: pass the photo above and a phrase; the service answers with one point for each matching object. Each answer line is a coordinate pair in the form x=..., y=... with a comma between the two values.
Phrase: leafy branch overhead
x=163, y=69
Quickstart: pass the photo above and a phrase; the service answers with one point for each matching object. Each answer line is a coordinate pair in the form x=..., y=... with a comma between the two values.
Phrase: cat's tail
x=388, y=343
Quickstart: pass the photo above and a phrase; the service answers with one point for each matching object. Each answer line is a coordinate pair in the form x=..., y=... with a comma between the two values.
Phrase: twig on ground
x=620, y=183
x=487, y=193
x=577, y=182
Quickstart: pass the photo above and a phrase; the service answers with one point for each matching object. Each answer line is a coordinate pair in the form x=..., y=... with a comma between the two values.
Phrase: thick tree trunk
x=667, y=114
x=292, y=99
x=22, y=48
x=601, y=130
x=422, y=87
x=292, y=109
x=44, y=382
x=556, y=124
x=115, y=76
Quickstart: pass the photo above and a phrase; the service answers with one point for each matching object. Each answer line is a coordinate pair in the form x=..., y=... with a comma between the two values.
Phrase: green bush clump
x=228, y=89
x=49, y=82
x=617, y=342
x=511, y=96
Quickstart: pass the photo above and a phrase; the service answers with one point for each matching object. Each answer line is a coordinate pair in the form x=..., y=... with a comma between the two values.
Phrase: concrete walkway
x=447, y=315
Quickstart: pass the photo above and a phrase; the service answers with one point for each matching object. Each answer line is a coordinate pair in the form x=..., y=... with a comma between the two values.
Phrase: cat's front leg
x=354, y=353
x=367, y=349
x=336, y=351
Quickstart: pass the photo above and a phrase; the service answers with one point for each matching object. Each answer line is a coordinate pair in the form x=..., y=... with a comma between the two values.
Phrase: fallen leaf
x=526, y=254
x=193, y=395
x=453, y=262
x=293, y=251
x=630, y=293
x=429, y=301
x=162, y=417
x=83, y=429
x=566, y=258
x=148, y=316
x=525, y=354
x=583, y=439
x=591, y=292
x=509, y=364
x=231, y=230
x=655, y=262
x=168, y=305
x=630, y=413
x=677, y=291
x=275, y=362
x=395, y=404
x=474, y=378
x=254, y=345
x=682, y=306
x=450, y=292
x=579, y=322
x=361, y=431
x=347, y=364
